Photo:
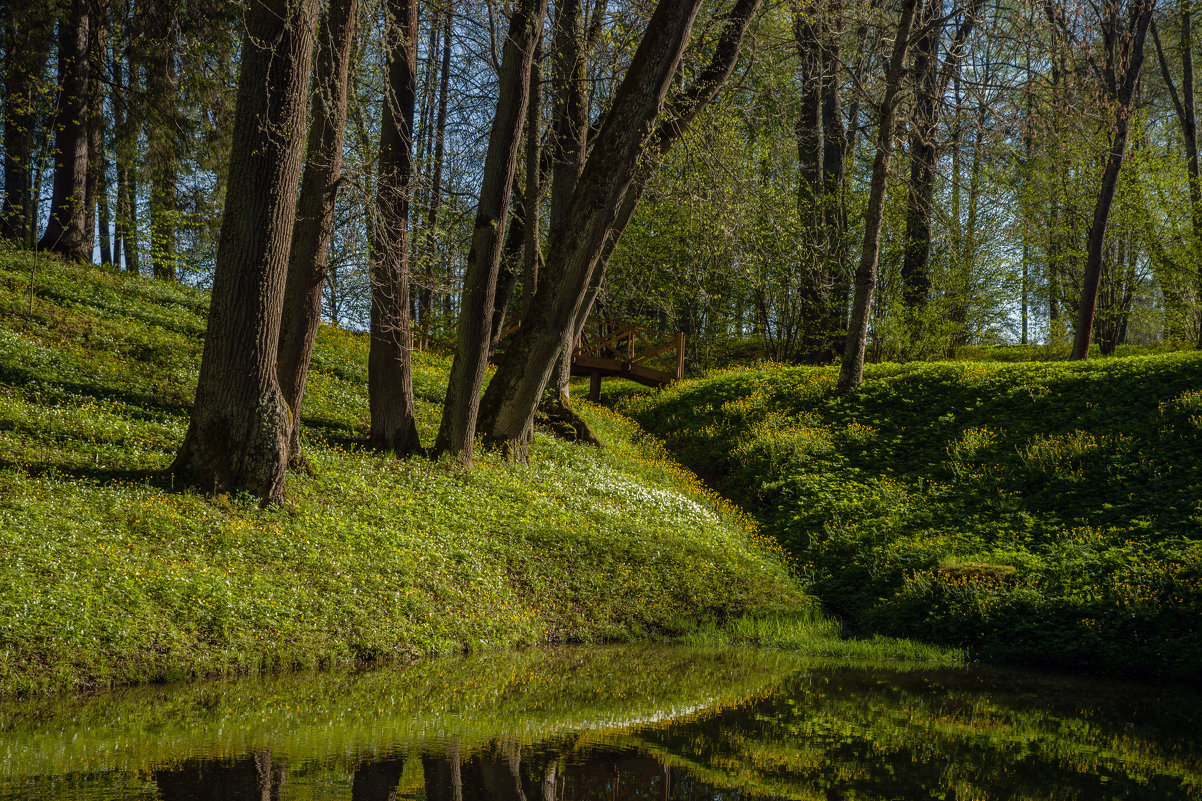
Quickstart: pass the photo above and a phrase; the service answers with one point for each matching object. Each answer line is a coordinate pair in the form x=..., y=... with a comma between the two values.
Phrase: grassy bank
x=1037, y=513
x=111, y=575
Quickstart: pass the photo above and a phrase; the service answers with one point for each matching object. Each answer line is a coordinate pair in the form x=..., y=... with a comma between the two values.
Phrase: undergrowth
x=112, y=575
x=1042, y=513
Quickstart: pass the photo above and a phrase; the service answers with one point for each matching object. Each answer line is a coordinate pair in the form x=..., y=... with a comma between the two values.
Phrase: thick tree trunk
x=66, y=232
x=28, y=38
x=473, y=342
x=851, y=372
x=238, y=435
x=569, y=141
x=308, y=260
x=389, y=369
x=629, y=131
x=1142, y=15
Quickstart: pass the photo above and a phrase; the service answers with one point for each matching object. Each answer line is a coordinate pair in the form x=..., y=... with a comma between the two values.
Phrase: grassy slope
x=1043, y=513
x=109, y=575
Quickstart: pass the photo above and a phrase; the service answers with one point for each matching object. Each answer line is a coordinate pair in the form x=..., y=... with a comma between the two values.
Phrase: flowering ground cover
x=109, y=574
x=1042, y=513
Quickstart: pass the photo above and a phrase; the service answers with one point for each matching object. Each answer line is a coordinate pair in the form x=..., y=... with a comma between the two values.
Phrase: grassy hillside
x=1042, y=513
x=112, y=575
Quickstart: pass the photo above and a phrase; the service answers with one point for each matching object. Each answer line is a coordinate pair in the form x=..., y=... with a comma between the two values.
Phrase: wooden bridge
x=652, y=358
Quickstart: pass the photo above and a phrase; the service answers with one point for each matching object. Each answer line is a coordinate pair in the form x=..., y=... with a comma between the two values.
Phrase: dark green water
x=613, y=723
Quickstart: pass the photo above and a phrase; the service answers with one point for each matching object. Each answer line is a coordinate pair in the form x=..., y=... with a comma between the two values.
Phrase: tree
x=851, y=371
x=1124, y=58
x=1187, y=118
x=240, y=424
x=27, y=40
x=308, y=260
x=66, y=231
x=389, y=373
x=933, y=75
x=595, y=218
x=473, y=342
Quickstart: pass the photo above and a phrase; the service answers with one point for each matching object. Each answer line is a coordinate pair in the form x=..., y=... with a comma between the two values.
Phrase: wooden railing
x=650, y=357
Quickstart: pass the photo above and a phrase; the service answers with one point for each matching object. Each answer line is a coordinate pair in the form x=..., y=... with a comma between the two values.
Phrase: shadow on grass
x=138, y=402
x=159, y=478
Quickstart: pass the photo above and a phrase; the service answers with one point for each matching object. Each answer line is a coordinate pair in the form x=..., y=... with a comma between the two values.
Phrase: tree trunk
x=308, y=260
x=28, y=38
x=66, y=232
x=569, y=141
x=1142, y=14
x=389, y=369
x=162, y=90
x=238, y=434
x=96, y=202
x=532, y=254
x=1183, y=101
x=426, y=301
x=924, y=126
x=813, y=285
x=851, y=372
x=132, y=252
x=576, y=249
x=473, y=342
x=835, y=154
x=933, y=76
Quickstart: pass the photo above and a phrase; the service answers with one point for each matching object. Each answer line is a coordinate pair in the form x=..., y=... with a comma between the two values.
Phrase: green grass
x=1043, y=513
x=111, y=575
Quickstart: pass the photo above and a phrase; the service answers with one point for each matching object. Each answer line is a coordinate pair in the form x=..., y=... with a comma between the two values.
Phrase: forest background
x=808, y=181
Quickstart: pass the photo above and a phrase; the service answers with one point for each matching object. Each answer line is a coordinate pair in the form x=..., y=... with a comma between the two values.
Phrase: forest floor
x=1039, y=513
x=112, y=575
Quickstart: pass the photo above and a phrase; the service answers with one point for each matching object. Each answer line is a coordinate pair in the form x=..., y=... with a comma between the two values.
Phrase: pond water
x=613, y=723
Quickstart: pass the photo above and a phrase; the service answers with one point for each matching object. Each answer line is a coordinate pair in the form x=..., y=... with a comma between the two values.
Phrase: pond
x=613, y=723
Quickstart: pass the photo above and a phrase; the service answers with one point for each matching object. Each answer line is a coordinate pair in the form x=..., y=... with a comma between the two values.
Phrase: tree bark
x=389, y=369
x=1141, y=17
x=569, y=140
x=66, y=232
x=308, y=261
x=851, y=371
x=473, y=342
x=238, y=434
x=576, y=249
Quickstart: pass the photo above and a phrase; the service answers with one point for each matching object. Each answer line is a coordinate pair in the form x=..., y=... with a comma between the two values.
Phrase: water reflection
x=254, y=777
x=614, y=724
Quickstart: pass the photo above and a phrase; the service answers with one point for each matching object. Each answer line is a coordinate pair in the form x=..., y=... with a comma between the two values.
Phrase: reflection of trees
x=254, y=777
x=377, y=781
